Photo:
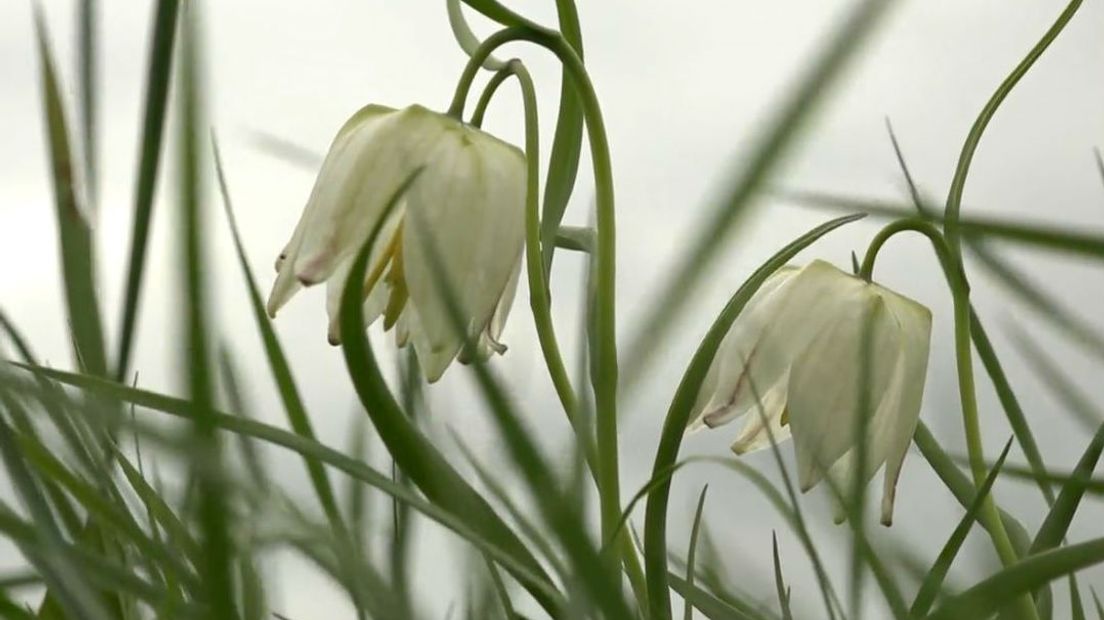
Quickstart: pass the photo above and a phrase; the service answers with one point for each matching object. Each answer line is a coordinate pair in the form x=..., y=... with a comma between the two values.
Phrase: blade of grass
x=87, y=61
x=713, y=607
x=74, y=231
x=779, y=582
x=1028, y=575
x=593, y=572
x=933, y=581
x=310, y=449
x=1057, y=521
x=158, y=78
x=692, y=551
x=217, y=565
x=678, y=415
x=1074, y=400
x=793, y=115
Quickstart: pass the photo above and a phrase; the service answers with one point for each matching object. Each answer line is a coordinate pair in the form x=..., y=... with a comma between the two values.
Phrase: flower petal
x=466, y=216
x=364, y=167
x=824, y=383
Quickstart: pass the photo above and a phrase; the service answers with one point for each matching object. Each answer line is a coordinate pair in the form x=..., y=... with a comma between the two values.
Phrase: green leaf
x=158, y=78
x=713, y=607
x=780, y=582
x=1027, y=575
x=678, y=415
x=307, y=448
x=74, y=231
x=1061, y=514
x=933, y=581
x=692, y=551
x=216, y=568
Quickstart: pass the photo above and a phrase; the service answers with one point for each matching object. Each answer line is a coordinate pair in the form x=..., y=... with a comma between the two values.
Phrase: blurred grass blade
x=1036, y=236
x=678, y=415
x=713, y=607
x=779, y=582
x=591, y=571
x=1075, y=401
x=961, y=487
x=1061, y=514
x=87, y=61
x=933, y=581
x=1029, y=574
x=277, y=361
x=466, y=38
x=692, y=551
x=793, y=116
x=158, y=78
x=462, y=524
x=1077, y=608
x=1096, y=600
x=410, y=449
x=217, y=565
x=231, y=388
x=74, y=230
x=567, y=144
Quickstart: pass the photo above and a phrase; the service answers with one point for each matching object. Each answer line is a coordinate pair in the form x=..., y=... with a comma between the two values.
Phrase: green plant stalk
x=604, y=369
x=960, y=294
x=966, y=157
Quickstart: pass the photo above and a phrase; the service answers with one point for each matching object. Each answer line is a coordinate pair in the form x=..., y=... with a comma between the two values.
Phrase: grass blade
x=713, y=607
x=692, y=551
x=779, y=582
x=933, y=581
x=74, y=231
x=1061, y=514
x=1029, y=574
x=217, y=565
x=158, y=78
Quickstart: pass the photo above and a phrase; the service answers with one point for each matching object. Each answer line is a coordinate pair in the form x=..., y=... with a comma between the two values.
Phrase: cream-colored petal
x=366, y=165
x=489, y=338
x=915, y=324
x=824, y=384
x=465, y=217
x=763, y=423
x=729, y=370
x=376, y=299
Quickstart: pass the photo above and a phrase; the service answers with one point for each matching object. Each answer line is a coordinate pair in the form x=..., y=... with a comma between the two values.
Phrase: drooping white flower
x=793, y=362
x=463, y=215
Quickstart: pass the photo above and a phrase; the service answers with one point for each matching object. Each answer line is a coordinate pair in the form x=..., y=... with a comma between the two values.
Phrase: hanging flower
x=463, y=215
x=793, y=362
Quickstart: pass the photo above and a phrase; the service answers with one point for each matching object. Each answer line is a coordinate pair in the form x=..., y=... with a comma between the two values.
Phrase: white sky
x=685, y=89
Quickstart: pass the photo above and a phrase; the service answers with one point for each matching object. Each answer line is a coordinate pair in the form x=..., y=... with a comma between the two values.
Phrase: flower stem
x=960, y=294
x=604, y=367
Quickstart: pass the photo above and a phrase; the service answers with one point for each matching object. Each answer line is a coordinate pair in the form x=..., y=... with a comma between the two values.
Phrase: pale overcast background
x=686, y=87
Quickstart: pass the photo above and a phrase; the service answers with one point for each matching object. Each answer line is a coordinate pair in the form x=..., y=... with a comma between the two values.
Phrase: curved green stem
x=966, y=157
x=489, y=91
x=960, y=294
x=604, y=373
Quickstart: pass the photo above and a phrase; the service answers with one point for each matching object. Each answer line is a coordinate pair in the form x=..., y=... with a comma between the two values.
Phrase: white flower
x=463, y=214
x=797, y=349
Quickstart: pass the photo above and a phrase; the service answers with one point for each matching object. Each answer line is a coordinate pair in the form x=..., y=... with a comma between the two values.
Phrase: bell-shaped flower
x=795, y=362
x=460, y=225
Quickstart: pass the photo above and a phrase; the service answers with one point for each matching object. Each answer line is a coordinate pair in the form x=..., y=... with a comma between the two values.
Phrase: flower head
x=793, y=361
x=460, y=225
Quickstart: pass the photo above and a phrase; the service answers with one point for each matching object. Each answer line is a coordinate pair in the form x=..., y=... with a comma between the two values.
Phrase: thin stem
x=489, y=91
x=604, y=371
x=966, y=157
x=960, y=294
x=539, y=301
